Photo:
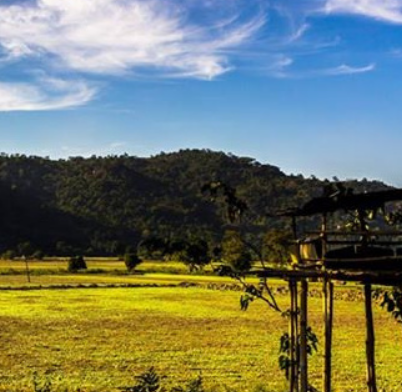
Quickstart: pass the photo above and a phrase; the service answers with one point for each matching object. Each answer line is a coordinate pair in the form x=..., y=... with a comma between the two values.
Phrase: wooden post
x=303, y=336
x=292, y=335
x=370, y=341
x=28, y=272
x=328, y=305
x=297, y=352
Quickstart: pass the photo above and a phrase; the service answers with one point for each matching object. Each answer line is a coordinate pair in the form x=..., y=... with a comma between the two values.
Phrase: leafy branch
x=391, y=301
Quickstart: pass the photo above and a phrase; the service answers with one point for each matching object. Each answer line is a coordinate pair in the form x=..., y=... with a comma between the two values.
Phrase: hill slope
x=99, y=205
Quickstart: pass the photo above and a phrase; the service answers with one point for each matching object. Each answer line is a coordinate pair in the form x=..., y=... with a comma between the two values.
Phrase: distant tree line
x=110, y=205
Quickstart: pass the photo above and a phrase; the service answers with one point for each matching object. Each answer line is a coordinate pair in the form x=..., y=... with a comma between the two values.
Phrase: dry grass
x=100, y=339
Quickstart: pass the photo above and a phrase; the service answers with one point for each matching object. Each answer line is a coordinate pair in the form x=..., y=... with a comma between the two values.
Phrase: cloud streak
x=345, y=69
x=50, y=94
x=385, y=10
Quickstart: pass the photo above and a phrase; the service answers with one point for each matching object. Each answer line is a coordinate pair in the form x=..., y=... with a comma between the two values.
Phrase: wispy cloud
x=114, y=38
x=73, y=41
x=385, y=10
x=48, y=94
x=279, y=66
x=117, y=36
x=345, y=69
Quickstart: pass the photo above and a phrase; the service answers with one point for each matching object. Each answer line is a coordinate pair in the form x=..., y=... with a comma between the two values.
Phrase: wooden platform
x=387, y=278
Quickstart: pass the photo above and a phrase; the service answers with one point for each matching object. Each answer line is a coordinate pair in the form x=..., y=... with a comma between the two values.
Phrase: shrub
x=76, y=263
x=38, y=255
x=131, y=260
x=150, y=381
x=8, y=255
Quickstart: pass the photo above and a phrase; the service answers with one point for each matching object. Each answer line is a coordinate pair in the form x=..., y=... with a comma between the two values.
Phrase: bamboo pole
x=328, y=302
x=303, y=337
x=27, y=271
x=370, y=341
x=292, y=336
x=297, y=353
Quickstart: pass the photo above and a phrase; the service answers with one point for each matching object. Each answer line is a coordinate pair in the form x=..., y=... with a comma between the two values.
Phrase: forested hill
x=100, y=205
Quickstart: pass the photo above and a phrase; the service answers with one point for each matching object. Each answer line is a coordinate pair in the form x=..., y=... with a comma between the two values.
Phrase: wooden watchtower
x=364, y=255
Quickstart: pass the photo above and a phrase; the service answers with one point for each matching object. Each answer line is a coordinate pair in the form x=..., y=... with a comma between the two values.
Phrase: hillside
x=100, y=205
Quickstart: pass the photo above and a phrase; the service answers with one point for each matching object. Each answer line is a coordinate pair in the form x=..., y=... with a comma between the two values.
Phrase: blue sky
x=311, y=86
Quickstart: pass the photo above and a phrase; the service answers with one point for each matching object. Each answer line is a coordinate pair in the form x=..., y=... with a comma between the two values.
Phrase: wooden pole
x=292, y=335
x=28, y=272
x=328, y=304
x=303, y=337
x=297, y=353
x=370, y=341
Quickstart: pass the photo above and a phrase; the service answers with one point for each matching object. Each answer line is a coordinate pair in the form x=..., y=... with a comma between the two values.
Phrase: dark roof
x=348, y=202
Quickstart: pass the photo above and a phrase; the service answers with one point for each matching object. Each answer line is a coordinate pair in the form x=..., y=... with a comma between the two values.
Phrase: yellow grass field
x=99, y=339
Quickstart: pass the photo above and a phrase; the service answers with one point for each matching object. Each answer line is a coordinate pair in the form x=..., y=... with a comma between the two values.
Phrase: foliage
x=148, y=381
x=8, y=255
x=76, y=263
x=391, y=301
x=276, y=246
x=40, y=385
x=284, y=358
x=131, y=260
x=195, y=254
x=235, y=253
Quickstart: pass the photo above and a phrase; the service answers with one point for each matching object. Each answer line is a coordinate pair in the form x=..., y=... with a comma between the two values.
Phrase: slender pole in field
x=370, y=341
x=303, y=336
x=328, y=305
x=28, y=272
x=297, y=353
x=292, y=335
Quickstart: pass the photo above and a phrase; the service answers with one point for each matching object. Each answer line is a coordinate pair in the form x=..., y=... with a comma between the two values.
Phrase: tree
x=234, y=252
x=276, y=246
x=76, y=263
x=195, y=254
x=131, y=260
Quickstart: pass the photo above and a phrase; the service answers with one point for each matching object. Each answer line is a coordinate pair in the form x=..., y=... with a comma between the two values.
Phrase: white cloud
x=279, y=66
x=345, y=69
x=300, y=31
x=49, y=94
x=116, y=36
x=385, y=10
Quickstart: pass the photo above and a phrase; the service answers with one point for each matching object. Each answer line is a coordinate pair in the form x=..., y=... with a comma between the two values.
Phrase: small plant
x=40, y=385
x=284, y=358
x=76, y=263
x=195, y=385
x=131, y=260
x=149, y=381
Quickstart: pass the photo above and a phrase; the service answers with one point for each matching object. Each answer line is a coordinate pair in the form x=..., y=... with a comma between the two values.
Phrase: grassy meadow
x=100, y=339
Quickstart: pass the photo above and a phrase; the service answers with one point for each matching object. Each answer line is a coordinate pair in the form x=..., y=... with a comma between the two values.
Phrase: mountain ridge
x=102, y=205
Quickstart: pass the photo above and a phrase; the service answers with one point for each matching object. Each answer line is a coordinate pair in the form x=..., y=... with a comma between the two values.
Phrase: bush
x=38, y=255
x=8, y=255
x=131, y=260
x=76, y=263
x=149, y=381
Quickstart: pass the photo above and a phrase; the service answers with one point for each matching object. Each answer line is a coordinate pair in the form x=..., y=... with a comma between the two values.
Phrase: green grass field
x=99, y=339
